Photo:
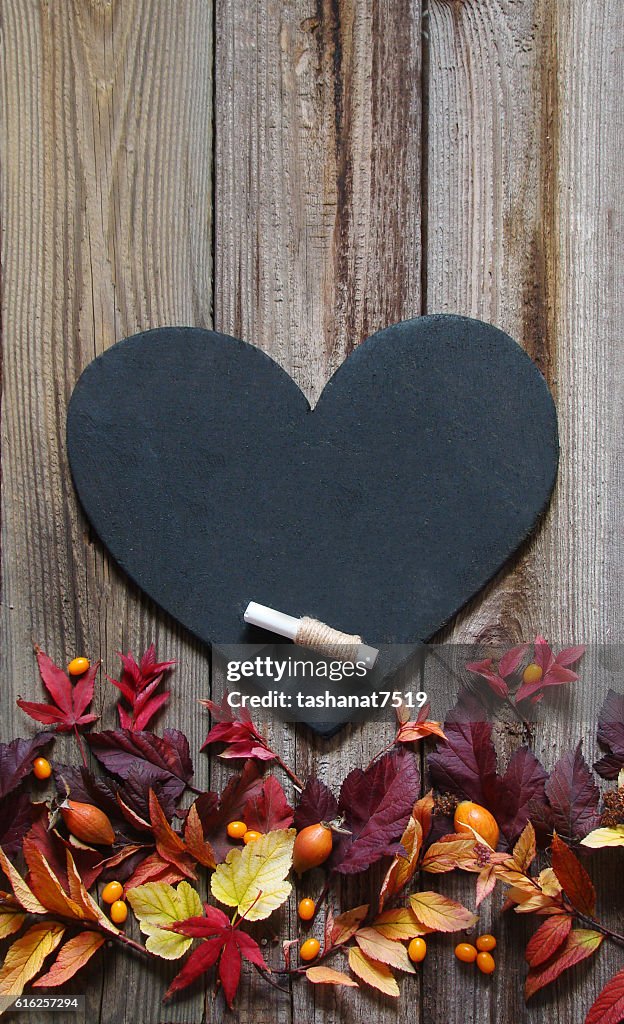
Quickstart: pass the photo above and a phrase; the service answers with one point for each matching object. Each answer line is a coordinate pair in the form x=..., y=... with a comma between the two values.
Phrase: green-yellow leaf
x=252, y=879
x=26, y=956
x=604, y=837
x=158, y=905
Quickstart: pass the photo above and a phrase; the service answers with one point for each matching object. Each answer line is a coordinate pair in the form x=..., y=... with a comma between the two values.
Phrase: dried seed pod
x=87, y=822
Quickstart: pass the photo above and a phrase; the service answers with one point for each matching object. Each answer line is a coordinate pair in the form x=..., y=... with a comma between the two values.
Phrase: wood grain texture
x=106, y=217
x=523, y=213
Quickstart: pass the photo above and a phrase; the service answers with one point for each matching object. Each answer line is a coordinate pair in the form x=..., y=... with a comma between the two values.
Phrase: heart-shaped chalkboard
x=426, y=462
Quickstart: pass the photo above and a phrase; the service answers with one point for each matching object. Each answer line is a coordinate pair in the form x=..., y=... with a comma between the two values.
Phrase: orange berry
x=118, y=912
x=470, y=816
x=313, y=846
x=532, y=673
x=78, y=666
x=42, y=769
x=112, y=892
x=486, y=943
x=417, y=950
x=309, y=949
x=306, y=909
x=236, y=829
x=250, y=836
x=466, y=953
x=485, y=963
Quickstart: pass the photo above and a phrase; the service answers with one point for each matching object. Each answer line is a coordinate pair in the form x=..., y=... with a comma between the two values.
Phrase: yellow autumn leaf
x=372, y=972
x=327, y=976
x=441, y=913
x=11, y=920
x=158, y=904
x=26, y=956
x=389, y=952
x=252, y=879
x=525, y=850
x=601, y=837
x=399, y=924
x=23, y=894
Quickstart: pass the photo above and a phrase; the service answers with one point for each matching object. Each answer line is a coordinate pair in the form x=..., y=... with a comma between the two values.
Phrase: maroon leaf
x=16, y=759
x=235, y=728
x=611, y=735
x=376, y=804
x=317, y=803
x=609, y=1006
x=16, y=818
x=215, y=813
x=70, y=700
x=572, y=795
x=137, y=685
x=466, y=763
x=522, y=785
x=269, y=809
x=547, y=939
x=163, y=759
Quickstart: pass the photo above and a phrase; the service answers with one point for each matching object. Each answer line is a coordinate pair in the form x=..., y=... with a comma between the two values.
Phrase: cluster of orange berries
x=465, y=951
x=113, y=895
x=239, y=830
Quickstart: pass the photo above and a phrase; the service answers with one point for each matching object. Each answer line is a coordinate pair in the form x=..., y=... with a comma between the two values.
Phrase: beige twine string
x=328, y=641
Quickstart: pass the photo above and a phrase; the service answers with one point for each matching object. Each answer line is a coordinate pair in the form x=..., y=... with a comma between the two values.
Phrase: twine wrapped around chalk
x=326, y=640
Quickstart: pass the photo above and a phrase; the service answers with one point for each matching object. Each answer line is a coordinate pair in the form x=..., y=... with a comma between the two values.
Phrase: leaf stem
x=81, y=747
x=290, y=773
x=608, y=932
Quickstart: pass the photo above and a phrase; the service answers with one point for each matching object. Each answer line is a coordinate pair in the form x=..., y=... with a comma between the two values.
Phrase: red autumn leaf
x=269, y=809
x=317, y=803
x=376, y=804
x=410, y=732
x=72, y=957
x=611, y=735
x=555, y=670
x=215, y=812
x=547, y=939
x=609, y=1006
x=572, y=799
x=580, y=944
x=493, y=678
x=169, y=844
x=235, y=728
x=70, y=701
x=222, y=942
x=154, y=868
x=165, y=760
x=16, y=759
x=138, y=683
x=573, y=878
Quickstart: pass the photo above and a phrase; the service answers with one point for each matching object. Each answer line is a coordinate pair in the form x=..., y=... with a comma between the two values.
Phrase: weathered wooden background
x=300, y=173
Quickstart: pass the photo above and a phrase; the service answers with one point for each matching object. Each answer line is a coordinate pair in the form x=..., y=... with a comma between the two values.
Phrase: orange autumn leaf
x=154, y=869
x=92, y=911
x=196, y=845
x=414, y=731
x=449, y=853
x=327, y=976
x=422, y=812
x=441, y=913
x=525, y=850
x=373, y=972
x=400, y=924
x=486, y=882
x=387, y=951
x=403, y=866
x=346, y=925
x=573, y=877
x=169, y=844
x=71, y=958
x=26, y=956
x=46, y=885
x=580, y=944
x=22, y=892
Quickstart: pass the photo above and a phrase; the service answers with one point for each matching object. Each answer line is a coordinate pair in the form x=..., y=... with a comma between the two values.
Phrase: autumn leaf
x=157, y=906
x=376, y=804
x=399, y=924
x=601, y=837
x=16, y=759
x=252, y=879
x=611, y=735
x=11, y=916
x=26, y=956
x=376, y=974
x=22, y=892
x=410, y=732
x=450, y=852
x=441, y=913
x=572, y=799
x=327, y=976
x=555, y=670
x=235, y=728
x=573, y=877
x=525, y=850
x=345, y=925
x=154, y=868
x=46, y=886
x=169, y=844
x=375, y=945
x=486, y=883
x=269, y=809
x=164, y=760
x=194, y=840
x=215, y=812
x=317, y=803
x=580, y=944
x=222, y=942
x=70, y=701
x=404, y=864
x=547, y=939
x=609, y=1006
x=138, y=683
x=17, y=814
x=73, y=956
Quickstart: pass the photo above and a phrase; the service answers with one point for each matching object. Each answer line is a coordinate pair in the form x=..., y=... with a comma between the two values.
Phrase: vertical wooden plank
x=317, y=223
x=525, y=171
x=106, y=193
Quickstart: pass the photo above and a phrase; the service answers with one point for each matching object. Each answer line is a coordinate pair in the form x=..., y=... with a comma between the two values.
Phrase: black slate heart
x=426, y=462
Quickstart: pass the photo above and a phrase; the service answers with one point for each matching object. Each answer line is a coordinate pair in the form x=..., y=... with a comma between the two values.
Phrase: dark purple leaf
x=269, y=809
x=317, y=803
x=572, y=795
x=522, y=784
x=215, y=813
x=16, y=759
x=466, y=763
x=16, y=818
x=122, y=751
x=611, y=735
